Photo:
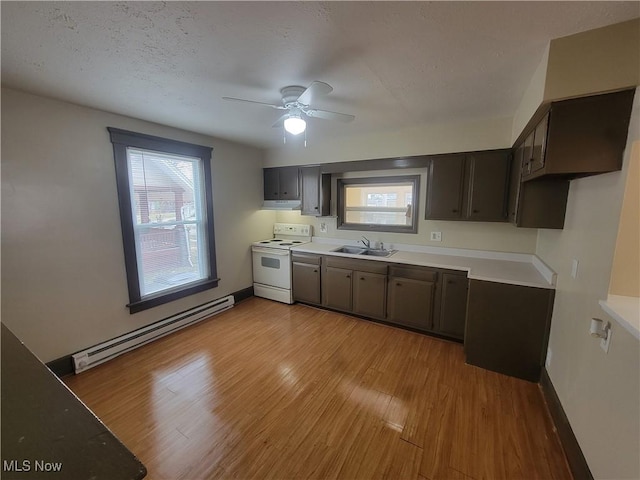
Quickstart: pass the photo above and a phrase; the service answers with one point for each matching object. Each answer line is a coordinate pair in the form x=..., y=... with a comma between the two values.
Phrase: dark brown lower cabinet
x=337, y=288
x=305, y=270
x=357, y=286
x=453, y=310
x=507, y=328
x=411, y=302
x=369, y=294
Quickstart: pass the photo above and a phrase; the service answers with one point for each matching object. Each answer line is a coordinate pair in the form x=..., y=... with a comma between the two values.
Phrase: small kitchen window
x=381, y=204
x=166, y=213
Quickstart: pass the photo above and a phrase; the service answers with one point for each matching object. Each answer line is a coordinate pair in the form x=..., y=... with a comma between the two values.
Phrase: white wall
x=420, y=140
x=599, y=392
x=63, y=276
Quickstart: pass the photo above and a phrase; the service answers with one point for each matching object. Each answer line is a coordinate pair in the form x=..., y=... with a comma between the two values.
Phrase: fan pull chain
x=284, y=136
x=305, y=138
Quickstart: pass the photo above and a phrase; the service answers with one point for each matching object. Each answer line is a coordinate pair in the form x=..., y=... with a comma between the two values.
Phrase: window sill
x=625, y=311
x=161, y=299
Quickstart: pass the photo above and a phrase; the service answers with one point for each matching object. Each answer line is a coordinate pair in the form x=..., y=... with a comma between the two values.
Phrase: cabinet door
x=507, y=328
x=527, y=155
x=410, y=302
x=453, y=309
x=316, y=191
x=444, y=187
x=271, y=183
x=289, y=183
x=515, y=184
x=369, y=294
x=487, y=190
x=539, y=144
x=337, y=288
x=306, y=282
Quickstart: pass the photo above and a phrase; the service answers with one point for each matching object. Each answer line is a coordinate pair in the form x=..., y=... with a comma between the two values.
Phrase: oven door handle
x=271, y=251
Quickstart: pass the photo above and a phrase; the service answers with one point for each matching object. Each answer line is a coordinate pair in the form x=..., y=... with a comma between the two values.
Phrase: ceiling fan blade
x=280, y=121
x=315, y=90
x=327, y=115
x=277, y=107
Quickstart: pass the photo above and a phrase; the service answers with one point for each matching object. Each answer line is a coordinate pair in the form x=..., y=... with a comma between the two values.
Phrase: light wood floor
x=267, y=390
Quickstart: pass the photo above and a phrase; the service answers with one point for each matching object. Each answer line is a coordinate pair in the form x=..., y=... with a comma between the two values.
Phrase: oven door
x=272, y=267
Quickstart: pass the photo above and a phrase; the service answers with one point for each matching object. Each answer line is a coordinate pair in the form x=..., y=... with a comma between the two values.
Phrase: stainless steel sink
x=364, y=251
x=351, y=250
x=379, y=253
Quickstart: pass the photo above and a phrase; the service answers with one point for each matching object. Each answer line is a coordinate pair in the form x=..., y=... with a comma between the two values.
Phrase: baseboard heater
x=98, y=354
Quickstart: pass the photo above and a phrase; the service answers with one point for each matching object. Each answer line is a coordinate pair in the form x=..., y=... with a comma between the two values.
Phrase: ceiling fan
x=297, y=102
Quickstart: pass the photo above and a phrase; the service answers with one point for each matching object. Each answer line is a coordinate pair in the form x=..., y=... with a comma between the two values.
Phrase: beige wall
x=426, y=139
x=599, y=392
x=599, y=60
x=532, y=98
x=63, y=276
x=625, y=274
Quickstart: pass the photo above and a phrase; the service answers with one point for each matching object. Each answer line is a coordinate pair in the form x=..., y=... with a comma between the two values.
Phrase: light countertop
x=625, y=310
x=514, y=269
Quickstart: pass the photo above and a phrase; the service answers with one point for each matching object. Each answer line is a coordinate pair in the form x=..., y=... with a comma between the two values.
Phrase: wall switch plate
x=574, y=268
x=436, y=236
x=323, y=227
x=604, y=342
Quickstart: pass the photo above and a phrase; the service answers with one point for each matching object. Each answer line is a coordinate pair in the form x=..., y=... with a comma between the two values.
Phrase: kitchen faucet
x=366, y=242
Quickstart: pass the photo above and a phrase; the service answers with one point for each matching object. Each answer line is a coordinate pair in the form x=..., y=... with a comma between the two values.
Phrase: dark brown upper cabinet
x=538, y=203
x=470, y=186
x=316, y=191
x=577, y=137
x=281, y=183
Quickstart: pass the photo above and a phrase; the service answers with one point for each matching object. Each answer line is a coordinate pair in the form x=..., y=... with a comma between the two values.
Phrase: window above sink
x=381, y=204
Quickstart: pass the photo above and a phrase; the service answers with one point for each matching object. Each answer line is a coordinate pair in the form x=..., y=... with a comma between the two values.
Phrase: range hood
x=281, y=205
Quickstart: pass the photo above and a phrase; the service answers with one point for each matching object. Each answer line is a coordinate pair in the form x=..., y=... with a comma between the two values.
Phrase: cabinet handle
x=315, y=271
x=284, y=193
x=450, y=282
x=455, y=210
x=361, y=278
x=275, y=193
x=315, y=208
x=398, y=284
x=476, y=211
x=348, y=276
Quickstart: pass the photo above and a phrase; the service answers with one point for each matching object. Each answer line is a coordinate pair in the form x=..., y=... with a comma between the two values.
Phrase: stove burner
x=286, y=244
x=266, y=241
x=276, y=240
x=296, y=241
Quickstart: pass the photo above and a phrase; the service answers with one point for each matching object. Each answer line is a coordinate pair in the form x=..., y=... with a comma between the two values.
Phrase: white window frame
x=123, y=140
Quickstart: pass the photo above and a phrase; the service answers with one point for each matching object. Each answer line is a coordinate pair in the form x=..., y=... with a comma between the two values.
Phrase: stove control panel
x=292, y=229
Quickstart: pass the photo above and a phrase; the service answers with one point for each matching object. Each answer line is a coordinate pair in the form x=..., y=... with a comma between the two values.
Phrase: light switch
x=436, y=236
x=574, y=268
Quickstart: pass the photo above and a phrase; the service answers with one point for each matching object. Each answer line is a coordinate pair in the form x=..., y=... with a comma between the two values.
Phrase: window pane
x=381, y=204
x=167, y=207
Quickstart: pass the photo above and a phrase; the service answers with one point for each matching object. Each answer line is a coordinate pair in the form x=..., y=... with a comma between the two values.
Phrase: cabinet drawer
x=414, y=273
x=358, y=265
x=306, y=258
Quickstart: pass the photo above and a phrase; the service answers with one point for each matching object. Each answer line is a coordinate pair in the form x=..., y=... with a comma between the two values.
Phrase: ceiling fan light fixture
x=295, y=125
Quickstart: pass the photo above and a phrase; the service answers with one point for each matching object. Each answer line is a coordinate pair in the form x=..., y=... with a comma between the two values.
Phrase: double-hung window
x=166, y=213
x=382, y=204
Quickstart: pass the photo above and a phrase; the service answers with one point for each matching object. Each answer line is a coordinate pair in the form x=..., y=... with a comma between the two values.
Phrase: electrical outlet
x=436, y=236
x=323, y=227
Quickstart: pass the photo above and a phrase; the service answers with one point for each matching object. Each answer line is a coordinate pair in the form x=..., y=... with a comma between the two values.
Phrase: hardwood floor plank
x=266, y=390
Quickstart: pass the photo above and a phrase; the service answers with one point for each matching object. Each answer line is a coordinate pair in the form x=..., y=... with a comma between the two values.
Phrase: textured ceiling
x=392, y=64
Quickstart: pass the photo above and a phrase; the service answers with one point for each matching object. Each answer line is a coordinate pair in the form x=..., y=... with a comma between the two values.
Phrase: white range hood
x=281, y=205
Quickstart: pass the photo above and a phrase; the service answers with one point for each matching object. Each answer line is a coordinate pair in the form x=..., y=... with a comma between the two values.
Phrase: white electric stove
x=272, y=261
